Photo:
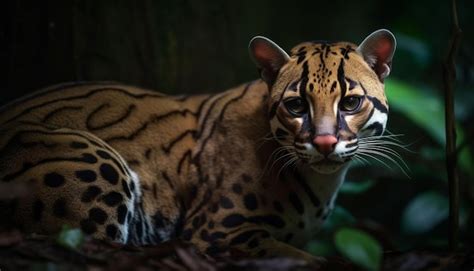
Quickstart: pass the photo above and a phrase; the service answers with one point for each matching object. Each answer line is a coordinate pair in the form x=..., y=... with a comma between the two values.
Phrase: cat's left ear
x=268, y=57
x=378, y=50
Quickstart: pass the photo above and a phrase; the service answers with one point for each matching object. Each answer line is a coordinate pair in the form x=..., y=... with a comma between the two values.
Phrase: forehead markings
x=341, y=77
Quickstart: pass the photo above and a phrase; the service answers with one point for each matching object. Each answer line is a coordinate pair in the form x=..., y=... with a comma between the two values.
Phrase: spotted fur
x=135, y=166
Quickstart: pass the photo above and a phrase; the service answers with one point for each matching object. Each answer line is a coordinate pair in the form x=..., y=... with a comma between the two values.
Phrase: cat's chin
x=327, y=167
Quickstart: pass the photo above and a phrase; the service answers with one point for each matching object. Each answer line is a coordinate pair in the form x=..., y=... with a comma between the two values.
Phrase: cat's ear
x=378, y=50
x=268, y=57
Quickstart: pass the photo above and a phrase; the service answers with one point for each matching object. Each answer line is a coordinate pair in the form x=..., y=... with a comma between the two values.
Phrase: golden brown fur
x=136, y=166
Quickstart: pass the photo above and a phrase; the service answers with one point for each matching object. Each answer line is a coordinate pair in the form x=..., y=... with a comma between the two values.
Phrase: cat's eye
x=296, y=106
x=350, y=103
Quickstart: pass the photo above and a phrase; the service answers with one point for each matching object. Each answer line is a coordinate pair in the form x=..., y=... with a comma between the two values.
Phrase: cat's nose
x=325, y=144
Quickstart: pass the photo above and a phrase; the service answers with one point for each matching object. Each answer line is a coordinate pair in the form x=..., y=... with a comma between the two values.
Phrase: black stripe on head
x=304, y=80
x=341, y=78
x=301, y=54
x=275, y=105
x=363, y=88
x=378, y=105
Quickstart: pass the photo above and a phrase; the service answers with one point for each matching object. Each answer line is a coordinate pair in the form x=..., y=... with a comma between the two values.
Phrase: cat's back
x=88, y=106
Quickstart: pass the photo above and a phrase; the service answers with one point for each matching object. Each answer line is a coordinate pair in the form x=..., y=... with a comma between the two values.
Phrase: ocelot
x=255, y=168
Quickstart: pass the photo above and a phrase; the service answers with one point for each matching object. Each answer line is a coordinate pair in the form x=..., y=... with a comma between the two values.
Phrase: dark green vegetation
x=200, y=46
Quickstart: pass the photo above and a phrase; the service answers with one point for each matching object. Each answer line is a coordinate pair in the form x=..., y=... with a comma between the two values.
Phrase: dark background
x=201, y=46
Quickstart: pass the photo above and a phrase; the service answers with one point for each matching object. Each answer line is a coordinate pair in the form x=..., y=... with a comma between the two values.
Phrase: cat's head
x=326, y=97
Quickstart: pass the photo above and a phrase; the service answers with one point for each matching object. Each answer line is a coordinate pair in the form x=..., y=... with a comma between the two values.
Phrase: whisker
x=372, y=153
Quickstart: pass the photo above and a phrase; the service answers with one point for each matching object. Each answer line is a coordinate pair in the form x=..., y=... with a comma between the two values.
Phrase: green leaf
x=426, y=109
x=349, y=187
x=359, y=247
x=70, y=238
x=425, y=212
x=320, y=248
x=339, y=217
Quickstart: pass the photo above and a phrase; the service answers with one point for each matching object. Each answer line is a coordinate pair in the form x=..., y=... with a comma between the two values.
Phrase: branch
x=449, y=77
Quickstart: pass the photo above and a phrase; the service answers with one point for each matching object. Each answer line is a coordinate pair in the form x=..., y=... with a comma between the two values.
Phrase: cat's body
x=136, y=166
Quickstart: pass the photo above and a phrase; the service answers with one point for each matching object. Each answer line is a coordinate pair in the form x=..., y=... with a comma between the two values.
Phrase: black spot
x=109, y=173
x=333, y=87
x=88, y=226
x=233, y=220
x=205, y=235
x=53, y=179
x=111, y=231
x=272, y=220
x=214, y=249
x=246, y=178
x=122, y=211
x=237, y=188
x=38, y=207
x=103, y=154
x=126, y=189
x=253, y=243
x=243, y=237
x=217, y=235
x=78, y=145
x=187, y=234
x=296, y=202
x=262, y=253
x=91, y=193
x=278, y=207
x=250, y=201
x=288, y=237
x=112, y=198
x=98, y=215
x=226, y=203
x=87, y=175
x=60, y=208
x=89, y=158
x=210, y=225
x=214, y=208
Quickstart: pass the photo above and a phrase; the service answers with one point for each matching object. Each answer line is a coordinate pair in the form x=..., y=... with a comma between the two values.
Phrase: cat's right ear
x=268, y=57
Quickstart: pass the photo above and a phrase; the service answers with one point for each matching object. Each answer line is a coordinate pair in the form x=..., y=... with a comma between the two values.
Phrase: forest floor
x=18, y=252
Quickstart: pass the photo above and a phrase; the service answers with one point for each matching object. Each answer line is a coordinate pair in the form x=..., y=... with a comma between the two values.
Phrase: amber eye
x=296, y=106
x=350, y=103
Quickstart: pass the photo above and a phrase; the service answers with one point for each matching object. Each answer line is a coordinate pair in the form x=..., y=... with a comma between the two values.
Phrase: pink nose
x=325, y=143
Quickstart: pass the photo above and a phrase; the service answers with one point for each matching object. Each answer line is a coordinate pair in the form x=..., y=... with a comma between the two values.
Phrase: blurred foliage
x=359, y=247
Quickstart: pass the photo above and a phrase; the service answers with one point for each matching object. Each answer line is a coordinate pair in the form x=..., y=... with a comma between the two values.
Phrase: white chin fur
x=327, y=169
